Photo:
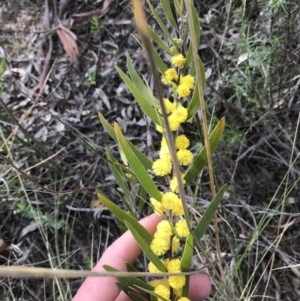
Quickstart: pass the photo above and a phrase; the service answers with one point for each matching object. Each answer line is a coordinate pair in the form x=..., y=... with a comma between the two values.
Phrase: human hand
x=121, y=251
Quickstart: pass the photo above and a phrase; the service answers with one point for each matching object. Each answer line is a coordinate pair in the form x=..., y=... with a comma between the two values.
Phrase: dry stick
x=33, y=272
x=205, y=130
x=144, y=34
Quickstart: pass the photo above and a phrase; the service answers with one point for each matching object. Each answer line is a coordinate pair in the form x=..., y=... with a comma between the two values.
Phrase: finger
x=200, y=287
x=122, y=250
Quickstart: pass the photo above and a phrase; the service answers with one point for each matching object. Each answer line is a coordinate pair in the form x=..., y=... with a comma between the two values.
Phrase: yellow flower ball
x=163, y=142
x=170, y=77
x=169, y=199
x=174, y=183
x=174, y=266
x=162, y=291
x=170, y=106
x=176, y=282
x=171, y=74
x=185, y=157
x=178, y=60
x=181, y=228
x=181, y=113
x=178, y=292
x=159, y=128
x=184, y=299
x=164, y=153
x=164, y=227
x=166, y=262
x=158, y=207
x=188, y=80
x=164, y=80
x=174, y=50
x=183, y=90
x=182, y=142
x=160, y=245
x=175, y=245
x=177, y=209
x=178, y=42
x=162, y=167
x=173, y=122
x=152, y=268
x=157, y=282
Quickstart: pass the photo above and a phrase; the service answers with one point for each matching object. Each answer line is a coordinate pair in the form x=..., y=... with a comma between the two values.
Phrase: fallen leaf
x=29, y=228
x=68, y=40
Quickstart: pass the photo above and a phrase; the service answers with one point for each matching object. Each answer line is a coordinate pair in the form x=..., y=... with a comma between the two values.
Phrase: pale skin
x=121, y=251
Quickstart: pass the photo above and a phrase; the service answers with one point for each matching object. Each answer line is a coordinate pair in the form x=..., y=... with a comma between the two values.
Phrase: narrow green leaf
x=198, y=164
x=209, y=213
x=127, y=204
x=131, y=268
x=146, y=92
x=187, y=254
x=117, y=171
x=129, y=281
x=123, y=229
x=123, y=287
x=110, y=130
x=146, y=248
x=124, y=217
x=157, y=39
x=185, y=289
x=194, y=104
x=161, y=66
x=136, y=297
x=202, y=70
x=2, y=65
x=168, y=12
x=179, y=8
x=142, y=195
x=160, y=22
x=137, y=167
x=189, y=56
x=146, y=107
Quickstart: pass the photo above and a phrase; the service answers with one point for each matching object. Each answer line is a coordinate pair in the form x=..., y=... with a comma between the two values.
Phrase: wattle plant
x=170, y=249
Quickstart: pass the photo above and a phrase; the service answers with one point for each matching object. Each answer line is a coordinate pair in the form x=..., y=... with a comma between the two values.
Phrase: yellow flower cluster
x=170, y=77
x=167, y=239
x=163, y=166
x=174, y=183
x=178, y=60
x=171, y=233
x=178, y=115
x=185, y=84
x=170, y=203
